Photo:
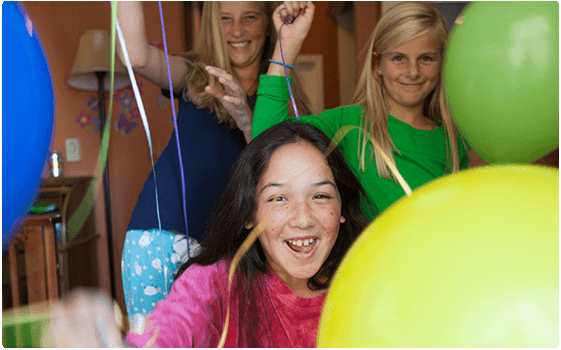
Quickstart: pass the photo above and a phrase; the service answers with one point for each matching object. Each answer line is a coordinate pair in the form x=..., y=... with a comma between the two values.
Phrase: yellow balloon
x=468, y=260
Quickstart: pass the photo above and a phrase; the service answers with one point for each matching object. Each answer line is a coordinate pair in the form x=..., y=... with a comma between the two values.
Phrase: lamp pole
x=101, y=77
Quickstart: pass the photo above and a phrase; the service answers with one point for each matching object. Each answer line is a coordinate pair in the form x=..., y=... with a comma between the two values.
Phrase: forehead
x=241, y=6
x=300, y=162
x=421, y=44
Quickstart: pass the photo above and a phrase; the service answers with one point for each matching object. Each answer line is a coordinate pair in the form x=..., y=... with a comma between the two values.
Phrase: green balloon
x=501, y=75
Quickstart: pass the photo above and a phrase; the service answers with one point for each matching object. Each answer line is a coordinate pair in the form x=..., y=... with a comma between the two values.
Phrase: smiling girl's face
x=298, y=197
x=410, y=72
x=244, y=24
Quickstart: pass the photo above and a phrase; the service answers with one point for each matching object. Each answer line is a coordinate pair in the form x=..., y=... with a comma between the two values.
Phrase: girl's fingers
x=286, y=11
x=232, y=87
x=225, y=79
x=308, y=8
x=214, y=92
x=298, y=8
x=221, y=95
x=295, y=8
x=233, y=100
x=217, y=72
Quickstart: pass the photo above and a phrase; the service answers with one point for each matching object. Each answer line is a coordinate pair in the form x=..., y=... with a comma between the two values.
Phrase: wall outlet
x=73, y=153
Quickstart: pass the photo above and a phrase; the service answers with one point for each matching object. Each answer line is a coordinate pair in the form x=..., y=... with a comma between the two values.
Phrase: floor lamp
x=91, y=67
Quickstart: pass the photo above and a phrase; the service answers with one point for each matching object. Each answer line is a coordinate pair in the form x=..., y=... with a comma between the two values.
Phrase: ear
x=376, y=63
x=342, y=220
x=249, y=224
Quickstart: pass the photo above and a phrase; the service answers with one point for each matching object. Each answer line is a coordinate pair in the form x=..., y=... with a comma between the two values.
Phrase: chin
x=241, y=64
x=305, y=272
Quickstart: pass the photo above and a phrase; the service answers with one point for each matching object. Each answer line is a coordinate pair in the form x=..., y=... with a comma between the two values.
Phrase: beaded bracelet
x=286, y=65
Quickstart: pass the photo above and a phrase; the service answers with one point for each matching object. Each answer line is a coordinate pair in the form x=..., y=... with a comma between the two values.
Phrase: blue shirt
x=208, y=152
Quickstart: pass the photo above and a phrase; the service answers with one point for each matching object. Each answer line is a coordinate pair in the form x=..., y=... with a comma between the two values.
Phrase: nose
x=237, y=28
x=413, y=70
x=302, y=217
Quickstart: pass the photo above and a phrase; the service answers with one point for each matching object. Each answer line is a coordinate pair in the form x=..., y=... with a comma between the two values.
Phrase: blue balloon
x=27, y=116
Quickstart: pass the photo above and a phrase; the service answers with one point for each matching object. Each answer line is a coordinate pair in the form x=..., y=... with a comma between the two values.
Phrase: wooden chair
x=39, y=241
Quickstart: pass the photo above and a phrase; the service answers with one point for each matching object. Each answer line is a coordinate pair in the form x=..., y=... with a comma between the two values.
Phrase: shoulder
x=350, y=112
x=346, y=115
x=195, y=271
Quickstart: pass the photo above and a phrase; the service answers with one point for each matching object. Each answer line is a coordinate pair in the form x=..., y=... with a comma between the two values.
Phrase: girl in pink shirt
x=310, y=205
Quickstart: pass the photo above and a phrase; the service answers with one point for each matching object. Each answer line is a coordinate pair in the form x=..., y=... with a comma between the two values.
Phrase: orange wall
x=60, y=25
x=367, y=15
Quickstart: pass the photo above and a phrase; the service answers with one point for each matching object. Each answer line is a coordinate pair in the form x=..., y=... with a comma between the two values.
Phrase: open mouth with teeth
x=302, y=245
x=239, y=45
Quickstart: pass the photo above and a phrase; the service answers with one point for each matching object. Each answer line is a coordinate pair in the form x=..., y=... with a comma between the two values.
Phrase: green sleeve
x=272, y=108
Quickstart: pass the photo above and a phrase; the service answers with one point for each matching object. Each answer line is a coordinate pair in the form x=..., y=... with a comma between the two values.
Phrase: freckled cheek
x=258, y=29
x=226, y=28
x=331, y=222
x=274, y=218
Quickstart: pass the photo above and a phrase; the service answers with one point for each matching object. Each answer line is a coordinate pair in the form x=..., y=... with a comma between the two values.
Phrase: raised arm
x=292, y=35
x=146, y=60
x=272, y=96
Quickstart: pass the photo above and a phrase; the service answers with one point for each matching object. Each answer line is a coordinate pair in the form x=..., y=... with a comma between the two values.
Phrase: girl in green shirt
x=399, y=101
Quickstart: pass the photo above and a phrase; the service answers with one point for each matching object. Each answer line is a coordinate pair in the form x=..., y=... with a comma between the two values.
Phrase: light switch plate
x=73, y=153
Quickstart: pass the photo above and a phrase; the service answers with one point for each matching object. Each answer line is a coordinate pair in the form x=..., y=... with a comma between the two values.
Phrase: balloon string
x=286, y=75
x=146, y=128
x=183, y=192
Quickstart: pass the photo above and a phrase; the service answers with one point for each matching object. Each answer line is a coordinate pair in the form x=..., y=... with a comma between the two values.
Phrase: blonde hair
x=211, y=49
x=403, y=22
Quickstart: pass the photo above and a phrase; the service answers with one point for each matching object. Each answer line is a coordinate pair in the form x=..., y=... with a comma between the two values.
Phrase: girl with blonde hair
x=399, y=102
x=237, y=37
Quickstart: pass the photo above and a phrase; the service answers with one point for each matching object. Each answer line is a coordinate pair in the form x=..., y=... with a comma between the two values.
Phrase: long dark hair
x=227, y=226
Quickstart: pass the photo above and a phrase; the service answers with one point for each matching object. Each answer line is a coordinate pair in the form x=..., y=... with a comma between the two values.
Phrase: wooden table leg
x=35, y=263
x=50, y=260
x=14, y=276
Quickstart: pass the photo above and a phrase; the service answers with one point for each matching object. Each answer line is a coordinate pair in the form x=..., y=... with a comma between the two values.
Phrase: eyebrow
x=245, y=13
x=401, y=53
x=317, y=184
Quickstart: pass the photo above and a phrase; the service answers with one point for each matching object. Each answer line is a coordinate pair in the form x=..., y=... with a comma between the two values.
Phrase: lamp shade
x=94, y=55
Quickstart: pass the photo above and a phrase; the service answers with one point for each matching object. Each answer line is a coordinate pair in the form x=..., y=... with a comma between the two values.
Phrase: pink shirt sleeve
x=191, y=315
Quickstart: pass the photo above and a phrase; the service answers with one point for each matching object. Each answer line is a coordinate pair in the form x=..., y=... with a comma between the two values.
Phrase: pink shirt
x=193, y=313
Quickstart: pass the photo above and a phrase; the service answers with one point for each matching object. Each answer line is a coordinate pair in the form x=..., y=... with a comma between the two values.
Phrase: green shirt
x=423, y=152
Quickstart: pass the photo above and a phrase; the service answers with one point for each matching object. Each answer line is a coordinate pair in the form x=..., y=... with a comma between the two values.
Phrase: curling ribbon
x=176, y=131
x=286, y=75
x=148, y=134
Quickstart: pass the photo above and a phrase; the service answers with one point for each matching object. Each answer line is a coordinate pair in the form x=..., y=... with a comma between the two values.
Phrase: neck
x=248, y=76
x=413, y=116
x=409, y=115
x=297, y=285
